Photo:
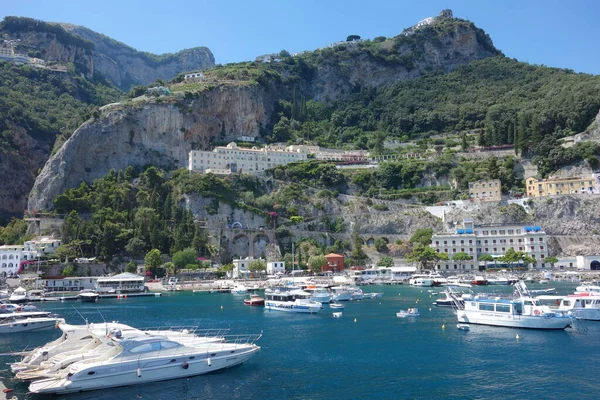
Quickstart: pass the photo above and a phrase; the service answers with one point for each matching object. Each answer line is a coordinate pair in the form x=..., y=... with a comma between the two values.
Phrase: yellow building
x=555, y=186
x=486, y=190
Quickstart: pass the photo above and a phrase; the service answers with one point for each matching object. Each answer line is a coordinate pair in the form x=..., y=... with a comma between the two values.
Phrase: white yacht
x=144, y=359
x=341, y=293
x=239, y=288
x=19, y=295
x=88, y=295
x=27, y=321
x=318, y=294
x=421, y=280
x=520, y=311
x=588, y=288
x=297, y=301
x=585, y=306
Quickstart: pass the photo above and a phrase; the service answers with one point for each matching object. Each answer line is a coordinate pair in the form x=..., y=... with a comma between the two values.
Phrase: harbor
x=367, y=349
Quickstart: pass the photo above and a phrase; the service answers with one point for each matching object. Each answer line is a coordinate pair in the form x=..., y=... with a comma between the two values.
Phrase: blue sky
x=550, y=32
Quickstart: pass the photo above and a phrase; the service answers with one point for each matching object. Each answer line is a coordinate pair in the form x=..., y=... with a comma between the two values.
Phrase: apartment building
x=485, y=190
x=495, y=240
x=556, y=186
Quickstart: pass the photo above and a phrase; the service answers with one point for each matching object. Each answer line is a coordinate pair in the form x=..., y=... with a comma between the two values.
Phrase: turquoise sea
x=368, y=353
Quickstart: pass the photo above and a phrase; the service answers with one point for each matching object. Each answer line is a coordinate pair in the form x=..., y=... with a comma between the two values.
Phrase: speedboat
x=588, y=288
x=254, y=300
x=421, y=280
x=77, y=339
x=19, y=295
x=145, y=359
x=88, y=296
x=27, y=321
x=336, y=306
x=411, y=312
x=372, y=295
x=297, y=301
x=318, y=294
x=239, y=289
x=463, y=327
x=585, y=306
x=519, y=311
x=341, y=293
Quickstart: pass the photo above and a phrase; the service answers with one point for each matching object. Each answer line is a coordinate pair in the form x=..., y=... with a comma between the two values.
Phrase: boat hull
x=136, y=372
x=292, y=307
x=30, y=325
x=513, y=321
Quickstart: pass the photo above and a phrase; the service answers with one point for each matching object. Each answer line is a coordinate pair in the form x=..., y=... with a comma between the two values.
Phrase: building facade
x=494, y=240
x=238, y=159
x=241, y=267
x=335, y=263
x=485, y=190
x=556, y=186
x=276, y=267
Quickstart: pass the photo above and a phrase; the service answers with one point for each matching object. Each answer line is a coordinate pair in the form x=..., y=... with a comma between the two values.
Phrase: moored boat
x=254, y=300
x=89, y=296
x=411, y=312
x=297, y=301
x=27, y=321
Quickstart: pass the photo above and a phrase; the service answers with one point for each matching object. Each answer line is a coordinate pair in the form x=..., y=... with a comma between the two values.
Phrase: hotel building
x=234, y=159
x=555, y=186
x=476, y=240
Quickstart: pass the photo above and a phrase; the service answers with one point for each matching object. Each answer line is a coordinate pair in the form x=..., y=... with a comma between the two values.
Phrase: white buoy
x=354, y=319
x=517, y=337
x=221, y=307
x=429, y=308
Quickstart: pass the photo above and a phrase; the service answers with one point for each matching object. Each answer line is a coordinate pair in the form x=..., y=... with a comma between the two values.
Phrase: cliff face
x=160, y=132
x=125, y=66
x=348, y=67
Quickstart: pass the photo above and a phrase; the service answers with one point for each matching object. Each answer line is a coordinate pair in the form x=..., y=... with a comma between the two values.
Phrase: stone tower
x=447, y=13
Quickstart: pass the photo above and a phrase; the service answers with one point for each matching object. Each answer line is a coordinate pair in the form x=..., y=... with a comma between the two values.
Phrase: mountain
x=41, y=105
x=126, y=67
x=249, y=99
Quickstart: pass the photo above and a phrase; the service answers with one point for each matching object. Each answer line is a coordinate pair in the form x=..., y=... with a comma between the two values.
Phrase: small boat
x=254, y=300
x=239, y=289
x=336, y=306
x=479, y=281
x=463, y=327
x=87, y=295
x=337, y=314
x=372, y=295
x=27, y=321
x=411, y=312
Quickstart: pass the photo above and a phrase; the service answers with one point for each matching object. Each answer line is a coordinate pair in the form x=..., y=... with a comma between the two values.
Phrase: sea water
x=368, y=353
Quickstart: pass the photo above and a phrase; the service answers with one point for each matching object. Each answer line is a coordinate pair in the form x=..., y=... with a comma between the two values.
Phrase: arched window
x=10, y=257
x=10, y=265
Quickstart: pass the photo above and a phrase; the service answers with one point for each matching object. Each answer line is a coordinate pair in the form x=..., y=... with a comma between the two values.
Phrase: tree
x=381, y=245
x=486, y=258
x=387, y=262
x=551, y=260
x=65, y=252
x=135, y=246
x=258, y=266
x=422, y=236
x=424, y=255
x=153, y=260
x=460, y=257
x=170, y=268
x=315, y=263
x=131, y=267
x=295, y=219
x=68, y=270
x=352, y=38
x=184, y=257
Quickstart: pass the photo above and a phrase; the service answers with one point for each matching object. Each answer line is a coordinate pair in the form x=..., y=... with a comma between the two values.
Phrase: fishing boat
x=144, y=359
x=518, y=311
x=254, y=300
x=411, y=312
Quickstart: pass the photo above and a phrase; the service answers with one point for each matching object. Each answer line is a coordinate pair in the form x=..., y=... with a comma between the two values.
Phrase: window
x=503, y=308
x=541, y=247
x=486, y=307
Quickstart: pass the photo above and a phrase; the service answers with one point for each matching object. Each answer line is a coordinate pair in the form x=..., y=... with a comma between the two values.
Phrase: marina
x=373, y=352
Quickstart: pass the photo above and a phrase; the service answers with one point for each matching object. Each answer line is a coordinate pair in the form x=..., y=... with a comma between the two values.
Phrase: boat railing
x=186, y=330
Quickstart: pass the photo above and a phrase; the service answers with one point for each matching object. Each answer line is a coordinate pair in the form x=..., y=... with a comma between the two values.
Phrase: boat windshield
x=153, y=346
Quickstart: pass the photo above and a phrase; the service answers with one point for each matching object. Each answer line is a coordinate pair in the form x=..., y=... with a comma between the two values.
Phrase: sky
x=554, y=33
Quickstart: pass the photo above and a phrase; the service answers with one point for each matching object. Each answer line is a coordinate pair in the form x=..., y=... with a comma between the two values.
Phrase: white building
x=194, y=75
x=11, y=257
x=120, y=283
x=238, y=159
x=588, y=263
x=489, y=239
x=68, y=284
x=43, y=245
x=240, y=267
x=275, y=267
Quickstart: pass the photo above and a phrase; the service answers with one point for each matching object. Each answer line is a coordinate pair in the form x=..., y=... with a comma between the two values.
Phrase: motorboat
x=76, y=338
x=341, y=293
x=357, y=293
x=88, y=296
x=479, y=281
x=19, y=295
x=463, y=327
x=588, y=288
x=297, y=301
x=498, y=280
x=254, y=300
x=372, y=295
x=28, y=321
x=411, y=312
x=336, y=306
x=13, y=308
x=424, y=280
x=239, y=289
x=584, y=306
x=518, y=311
x=145, y=359
x=318, y=294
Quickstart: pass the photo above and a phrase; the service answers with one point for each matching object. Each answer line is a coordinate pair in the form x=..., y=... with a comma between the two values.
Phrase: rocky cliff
x=125, y=66
x=155, y=131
